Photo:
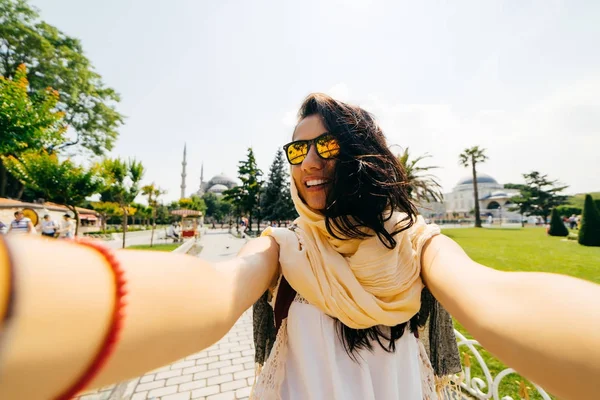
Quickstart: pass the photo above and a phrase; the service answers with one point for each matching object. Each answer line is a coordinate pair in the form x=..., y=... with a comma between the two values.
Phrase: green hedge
x=557, y=226
x=589, y=231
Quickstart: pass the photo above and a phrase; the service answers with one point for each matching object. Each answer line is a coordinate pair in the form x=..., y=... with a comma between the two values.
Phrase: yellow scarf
x=358, y=281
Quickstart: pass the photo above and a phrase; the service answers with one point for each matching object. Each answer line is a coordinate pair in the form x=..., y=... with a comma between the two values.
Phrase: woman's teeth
x=315, y=182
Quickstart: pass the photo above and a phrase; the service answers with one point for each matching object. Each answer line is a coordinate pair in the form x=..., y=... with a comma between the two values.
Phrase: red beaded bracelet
x=116, y=322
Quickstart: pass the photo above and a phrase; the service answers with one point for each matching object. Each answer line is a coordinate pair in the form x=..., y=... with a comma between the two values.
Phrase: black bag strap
x=283, y=301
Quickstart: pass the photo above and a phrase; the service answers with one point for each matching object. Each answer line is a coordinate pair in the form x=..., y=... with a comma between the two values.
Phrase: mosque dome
x=481, y=178
x=222, y=179
x=218, y=188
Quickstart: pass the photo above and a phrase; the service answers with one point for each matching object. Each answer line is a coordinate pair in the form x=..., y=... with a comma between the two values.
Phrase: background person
x=21, y=224
x=67, y=228
x=49, y=226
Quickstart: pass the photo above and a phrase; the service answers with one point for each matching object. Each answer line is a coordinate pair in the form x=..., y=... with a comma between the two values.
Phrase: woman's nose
x=312, y=160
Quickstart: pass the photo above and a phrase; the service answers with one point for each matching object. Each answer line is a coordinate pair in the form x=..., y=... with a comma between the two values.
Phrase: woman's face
x=314, y=175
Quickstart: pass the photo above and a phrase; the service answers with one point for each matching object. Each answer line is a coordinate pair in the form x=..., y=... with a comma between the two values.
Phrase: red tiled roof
x=7, y=203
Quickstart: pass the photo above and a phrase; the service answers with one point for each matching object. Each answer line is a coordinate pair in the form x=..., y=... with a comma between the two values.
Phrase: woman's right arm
x=177, y=305
x=546, y=326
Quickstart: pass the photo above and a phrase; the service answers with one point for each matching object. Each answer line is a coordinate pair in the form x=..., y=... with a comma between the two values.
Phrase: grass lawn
x=156, y=247
x=528, y=249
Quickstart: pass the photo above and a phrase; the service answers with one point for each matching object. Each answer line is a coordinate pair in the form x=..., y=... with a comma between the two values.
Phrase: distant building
x=89, y=220
x=494, y=200
x=217, y=184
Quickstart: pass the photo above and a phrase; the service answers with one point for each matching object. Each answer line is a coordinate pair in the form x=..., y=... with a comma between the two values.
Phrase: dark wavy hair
x=368, y=183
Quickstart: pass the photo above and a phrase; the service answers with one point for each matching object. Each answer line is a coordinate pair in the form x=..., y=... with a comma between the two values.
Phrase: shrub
x=567, y=210
x=557, y=226
x=589, y=231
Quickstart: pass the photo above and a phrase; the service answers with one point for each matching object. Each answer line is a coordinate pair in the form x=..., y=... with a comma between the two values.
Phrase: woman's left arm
x=546, y=326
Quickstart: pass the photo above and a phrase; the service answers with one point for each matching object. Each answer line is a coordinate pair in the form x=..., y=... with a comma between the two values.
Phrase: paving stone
x=192, y=385
x=243, y=393
x=231, y=369
x=206, y=374
x=225, y=387
x=248, y=352
x=219, y=364
x=196, y=356
x=147, y=378
x=222, y=396
x=179, y=379
x=178, y=396
x=140, y=396
x=218, y=352
x=193, y=370
x=220, y=379
x=150, y=385
x=207, y=391
x=230, y=356
x=183, y=364
x=243, y=360
x=207, y=360
x=247, y=373
x=168, y=374
x=162, y=391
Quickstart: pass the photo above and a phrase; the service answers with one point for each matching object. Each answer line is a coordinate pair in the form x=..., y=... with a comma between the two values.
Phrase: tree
x=557, y=226
x=212, y=205
x=26, y=124
x=194, y=202
x=61, y=182
x=153, y=192
x=566, y=210
x=122, y=179
x=107, y=210
x=421, y=185
x=539, y=195
x=277, y=204
x=589, y=230
x=56, y=60
x=471, y=157
x=245, y=198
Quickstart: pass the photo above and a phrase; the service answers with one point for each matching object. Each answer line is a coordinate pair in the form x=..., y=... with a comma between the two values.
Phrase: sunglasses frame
x=309, y=142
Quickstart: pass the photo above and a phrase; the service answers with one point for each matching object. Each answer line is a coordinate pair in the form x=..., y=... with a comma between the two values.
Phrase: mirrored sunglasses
x=327, y=147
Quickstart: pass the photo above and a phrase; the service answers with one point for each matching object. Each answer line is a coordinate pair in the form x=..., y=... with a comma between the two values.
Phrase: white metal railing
x=487, y=389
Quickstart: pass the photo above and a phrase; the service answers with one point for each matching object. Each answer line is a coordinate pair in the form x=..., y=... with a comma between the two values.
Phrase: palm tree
x=421, y=185
x=153, y=192
x=471, y=157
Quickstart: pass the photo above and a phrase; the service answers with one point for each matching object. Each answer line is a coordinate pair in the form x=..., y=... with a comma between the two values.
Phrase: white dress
x=318, y=367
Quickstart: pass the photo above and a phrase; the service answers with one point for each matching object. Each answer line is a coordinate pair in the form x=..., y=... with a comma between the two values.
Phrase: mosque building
x=494, y=200
x=217, y=184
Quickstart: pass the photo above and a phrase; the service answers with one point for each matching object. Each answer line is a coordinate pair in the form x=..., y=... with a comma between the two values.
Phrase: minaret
x=183, y=174
x=201, y=191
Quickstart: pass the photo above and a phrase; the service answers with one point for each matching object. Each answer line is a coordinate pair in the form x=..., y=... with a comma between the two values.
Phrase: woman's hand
x=546, y=326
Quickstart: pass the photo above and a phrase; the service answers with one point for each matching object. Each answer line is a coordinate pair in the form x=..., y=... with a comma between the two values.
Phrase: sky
x=518, y=78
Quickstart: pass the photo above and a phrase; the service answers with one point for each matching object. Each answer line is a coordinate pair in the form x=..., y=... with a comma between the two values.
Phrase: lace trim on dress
x=300, y=299
x=269, y=380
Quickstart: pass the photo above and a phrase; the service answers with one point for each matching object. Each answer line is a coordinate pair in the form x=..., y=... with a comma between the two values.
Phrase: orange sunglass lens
x=328, y=147
x=296, y=152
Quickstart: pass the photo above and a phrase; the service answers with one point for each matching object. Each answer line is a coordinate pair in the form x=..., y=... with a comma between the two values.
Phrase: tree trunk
x=21, y=190
x=124, y=224
x=153, y=226
x=476, y=194
x=3, y=179
x=76, y=214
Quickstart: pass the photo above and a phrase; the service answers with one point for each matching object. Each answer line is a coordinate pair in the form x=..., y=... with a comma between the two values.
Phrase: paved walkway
x=222, y=372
